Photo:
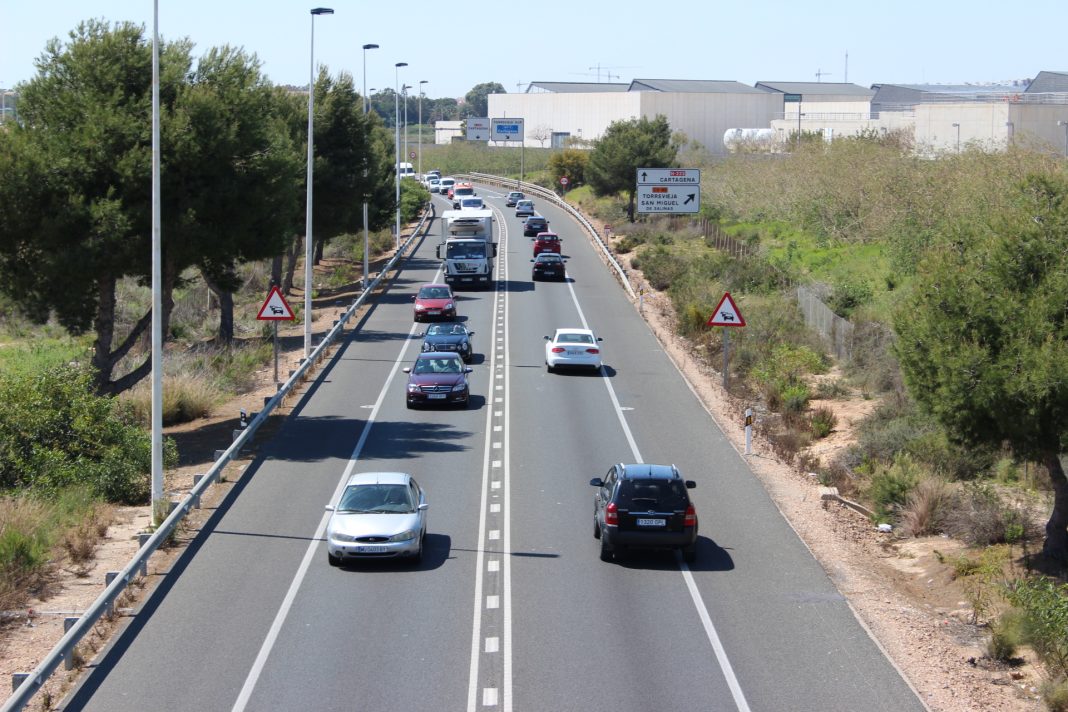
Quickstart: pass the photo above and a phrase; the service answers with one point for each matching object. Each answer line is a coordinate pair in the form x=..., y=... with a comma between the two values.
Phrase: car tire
x=409, y=404
x=689, y=553
x=596, y=528
x=606, y=551
x=548, y=368
x=417, y=557
x=333, y=560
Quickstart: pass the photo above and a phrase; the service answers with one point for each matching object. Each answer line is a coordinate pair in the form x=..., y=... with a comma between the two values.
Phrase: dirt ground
x=900, y=589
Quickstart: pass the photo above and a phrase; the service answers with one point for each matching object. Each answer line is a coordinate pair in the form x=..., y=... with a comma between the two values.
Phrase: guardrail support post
x=108, y=578
x=68, y=659
x=17, y=678
x=142, y=539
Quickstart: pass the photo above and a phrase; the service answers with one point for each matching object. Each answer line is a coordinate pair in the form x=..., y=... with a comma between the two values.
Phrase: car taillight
x=593, y=351
x=611, y=514
x=557, y=350
x=690, y=520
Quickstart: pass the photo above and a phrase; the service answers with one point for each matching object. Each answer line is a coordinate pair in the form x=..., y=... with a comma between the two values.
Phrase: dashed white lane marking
x=493, y=565
x=493, y=601
x=493, y=644
x=489, y=697
x=494, y=534
x=495, y=508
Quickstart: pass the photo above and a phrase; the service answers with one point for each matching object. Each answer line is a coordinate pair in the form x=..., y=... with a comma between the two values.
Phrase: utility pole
x=820, y=74
x=846, y=80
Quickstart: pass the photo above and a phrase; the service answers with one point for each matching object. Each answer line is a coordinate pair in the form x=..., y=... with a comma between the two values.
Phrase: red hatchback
x=435, y=301
x=546, y=242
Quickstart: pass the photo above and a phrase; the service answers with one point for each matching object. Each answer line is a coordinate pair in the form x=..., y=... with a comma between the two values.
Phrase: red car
x=435, y=301
x=546, y=242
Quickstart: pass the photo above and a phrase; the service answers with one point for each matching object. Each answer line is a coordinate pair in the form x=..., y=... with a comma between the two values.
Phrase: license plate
x=651, y=522
x=371, y=549
x=435, y=396
x=576, y=352
x=433, y=311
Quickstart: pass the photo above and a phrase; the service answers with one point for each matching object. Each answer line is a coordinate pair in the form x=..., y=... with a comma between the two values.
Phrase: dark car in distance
x=513, y=197
x=644, y=507
x=547, y=265
x=535, y=224
x=437, y=377
x=450, y=337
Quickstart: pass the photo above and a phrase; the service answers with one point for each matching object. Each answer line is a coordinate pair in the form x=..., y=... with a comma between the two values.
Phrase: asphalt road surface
x=511, y=607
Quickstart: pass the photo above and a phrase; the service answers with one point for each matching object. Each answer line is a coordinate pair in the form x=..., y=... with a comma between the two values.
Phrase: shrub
x=795, y=398
x=926, y=507
x=822, y=422
x=847, y=296
x=980, y=517
x=662, y=267
x=890, y=486
x=831, y=389
x=185, y=398
x=1006, y=634
x=1044, y=605
x=980, y=578
x=1055, y=694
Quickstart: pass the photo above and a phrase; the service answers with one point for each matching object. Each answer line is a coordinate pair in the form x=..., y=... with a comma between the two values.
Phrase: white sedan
x=572, y=347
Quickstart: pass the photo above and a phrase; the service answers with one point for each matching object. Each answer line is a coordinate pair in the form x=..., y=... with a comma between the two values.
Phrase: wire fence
x=835, y=331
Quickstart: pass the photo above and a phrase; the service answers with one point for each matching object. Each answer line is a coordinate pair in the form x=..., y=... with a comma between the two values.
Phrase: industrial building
x=938, y=117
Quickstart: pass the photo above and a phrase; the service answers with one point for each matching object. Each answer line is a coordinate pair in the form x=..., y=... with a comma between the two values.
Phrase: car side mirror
x=597, y=482
x=468, y=369
x=407, y=369
x=546, y=338
x=532, y=260
x=600, y=338
x=414, y=297
x=423, y=506
x=470, y=333
x=330, y=508
x=690, y=484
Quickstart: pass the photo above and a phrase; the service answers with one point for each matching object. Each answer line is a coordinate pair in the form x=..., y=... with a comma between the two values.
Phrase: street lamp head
x=1062, y=123
x=424, y=81
x=322, y=11
x=956, y=125
x=401, y=64
x=370, y=46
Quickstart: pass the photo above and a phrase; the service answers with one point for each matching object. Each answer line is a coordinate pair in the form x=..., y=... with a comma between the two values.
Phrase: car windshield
x=524, y=204
x=465, y=250
x=515, y=196
x=377, y=499
x=437, y=365
x=549, y=257
x=471, y=203
x=655, y=495
x=434, y=293
x=574, y=339
x=445, y=329
x=547, y=238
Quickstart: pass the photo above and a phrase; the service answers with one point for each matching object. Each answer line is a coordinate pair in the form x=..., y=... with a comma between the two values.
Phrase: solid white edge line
x=506, y=614
x=687, y=575
x=283, y=611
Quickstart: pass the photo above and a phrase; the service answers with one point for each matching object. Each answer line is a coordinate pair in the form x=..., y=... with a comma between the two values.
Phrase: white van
x=406, y=171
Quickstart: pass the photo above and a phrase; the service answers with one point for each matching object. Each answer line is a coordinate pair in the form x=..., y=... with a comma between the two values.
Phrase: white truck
x=467, y=247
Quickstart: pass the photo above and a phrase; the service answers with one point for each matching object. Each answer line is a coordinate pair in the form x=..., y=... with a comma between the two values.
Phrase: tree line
x=76, y=193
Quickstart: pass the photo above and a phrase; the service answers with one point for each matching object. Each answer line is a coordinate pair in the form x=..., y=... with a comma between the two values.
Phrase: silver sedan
x=379, y=515
x=572, y=347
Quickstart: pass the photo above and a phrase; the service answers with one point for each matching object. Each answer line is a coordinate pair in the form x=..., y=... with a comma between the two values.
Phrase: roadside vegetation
x=951, y=273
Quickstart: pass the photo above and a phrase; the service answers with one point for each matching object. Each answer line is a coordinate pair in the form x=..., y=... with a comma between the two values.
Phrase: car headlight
x=450, y=305
x=427, y=346
x=406, y=535
x=459, y=387
x=412, y=388
x=343, y=537
x=464, y=346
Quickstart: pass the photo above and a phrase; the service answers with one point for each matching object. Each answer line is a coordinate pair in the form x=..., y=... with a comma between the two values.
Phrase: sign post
x=726, y=314
x=275, y=309
x=564, y=181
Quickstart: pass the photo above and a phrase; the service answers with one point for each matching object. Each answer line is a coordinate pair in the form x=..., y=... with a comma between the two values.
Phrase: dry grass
x=186, y=397
x=926, y=507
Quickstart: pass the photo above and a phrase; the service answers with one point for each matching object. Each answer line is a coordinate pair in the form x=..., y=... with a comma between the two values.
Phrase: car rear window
x=658, y=495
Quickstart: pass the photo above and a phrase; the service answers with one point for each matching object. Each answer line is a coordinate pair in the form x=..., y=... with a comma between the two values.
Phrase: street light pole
x=421, y=83
x=309, y=248
x=404, y=92
x=957, y=126
x=366, y=107
x=158, y=513
x=396, y=125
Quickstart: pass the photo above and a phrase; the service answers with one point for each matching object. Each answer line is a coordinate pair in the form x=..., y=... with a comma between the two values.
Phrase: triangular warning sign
x=726, y=314
x=275, y=307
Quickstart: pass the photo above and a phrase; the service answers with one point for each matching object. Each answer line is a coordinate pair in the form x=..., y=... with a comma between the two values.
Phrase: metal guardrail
x=562, y=204
x=64, y=649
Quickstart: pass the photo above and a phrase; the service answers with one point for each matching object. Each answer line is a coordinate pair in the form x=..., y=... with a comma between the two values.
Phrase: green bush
x=1006, y=634
x=981, y=517
x=795, y=398
x=848, y=295
x=822, y=421
x=56, y=433
x=1055, y=694
x=662, y=266
x=889, y=487
x=413, y=196
x=1044, y=604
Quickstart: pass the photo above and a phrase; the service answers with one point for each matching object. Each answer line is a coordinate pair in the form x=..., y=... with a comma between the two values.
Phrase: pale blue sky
x=455, y=45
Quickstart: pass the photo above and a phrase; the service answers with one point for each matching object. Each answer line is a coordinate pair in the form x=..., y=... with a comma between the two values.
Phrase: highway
x=511, y=608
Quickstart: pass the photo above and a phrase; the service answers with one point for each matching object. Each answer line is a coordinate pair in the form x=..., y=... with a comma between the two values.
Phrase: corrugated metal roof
x=576, y=87
x=817, y=88
x=950, y=88
x=1048, y=82
x=692, y=86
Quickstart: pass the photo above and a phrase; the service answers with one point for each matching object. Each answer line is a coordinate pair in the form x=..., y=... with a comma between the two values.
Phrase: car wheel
x=333, y=560
x=417, y=557
x=606, y=551
x=689, y=553
x=548, y=368
x=596, y=528
x=411, y=406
